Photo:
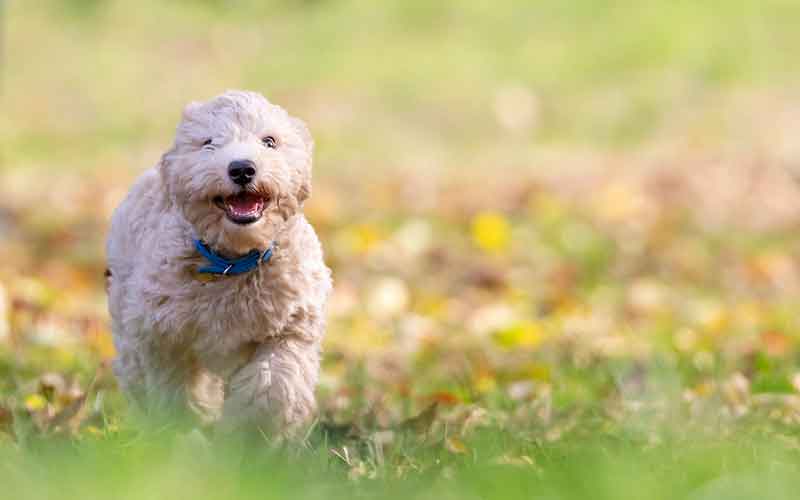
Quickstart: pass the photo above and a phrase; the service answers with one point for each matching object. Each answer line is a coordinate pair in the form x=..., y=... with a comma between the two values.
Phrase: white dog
x=216, y=281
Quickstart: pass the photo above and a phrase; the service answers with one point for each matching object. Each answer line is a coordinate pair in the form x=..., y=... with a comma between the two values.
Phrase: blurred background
x=534, y=210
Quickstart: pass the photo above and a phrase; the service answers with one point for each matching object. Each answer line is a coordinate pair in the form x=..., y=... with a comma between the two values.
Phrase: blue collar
x=221, y=265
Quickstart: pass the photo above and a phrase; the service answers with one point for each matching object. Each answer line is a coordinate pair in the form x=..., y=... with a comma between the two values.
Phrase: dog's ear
x=190, y=109
x=162, y=167
x=304, y=184
x=302, y=131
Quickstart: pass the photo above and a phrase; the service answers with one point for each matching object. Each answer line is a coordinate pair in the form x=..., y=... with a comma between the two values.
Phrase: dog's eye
x=207, y=142
x=270, y=142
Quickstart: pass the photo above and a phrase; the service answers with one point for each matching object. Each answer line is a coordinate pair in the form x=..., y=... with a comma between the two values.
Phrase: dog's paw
x=247, y=396
x=272, y=393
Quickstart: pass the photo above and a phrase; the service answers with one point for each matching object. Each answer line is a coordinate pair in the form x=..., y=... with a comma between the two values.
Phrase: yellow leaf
x=485, y=383
x=523, y=334
x=491, y=232
x=365, y=238
x=455, y=445
x=91, y=429
x=35, y=402
x=538, y=372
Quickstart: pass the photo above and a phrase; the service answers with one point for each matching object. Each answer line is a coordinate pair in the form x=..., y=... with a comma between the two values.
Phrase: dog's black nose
x=242, y=172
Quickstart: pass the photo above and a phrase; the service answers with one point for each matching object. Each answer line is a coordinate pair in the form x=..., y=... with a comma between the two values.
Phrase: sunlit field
x=564, y=238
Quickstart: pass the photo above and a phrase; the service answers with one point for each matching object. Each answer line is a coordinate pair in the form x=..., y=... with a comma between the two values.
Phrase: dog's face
x=239, y=168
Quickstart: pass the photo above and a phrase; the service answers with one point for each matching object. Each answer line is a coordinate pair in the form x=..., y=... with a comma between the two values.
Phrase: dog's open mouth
x=243, y=207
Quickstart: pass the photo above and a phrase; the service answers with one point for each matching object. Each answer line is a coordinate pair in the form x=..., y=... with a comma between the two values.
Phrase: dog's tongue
x=243, y=204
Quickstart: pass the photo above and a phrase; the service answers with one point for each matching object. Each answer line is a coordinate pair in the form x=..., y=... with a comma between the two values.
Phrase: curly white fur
x=242, y=349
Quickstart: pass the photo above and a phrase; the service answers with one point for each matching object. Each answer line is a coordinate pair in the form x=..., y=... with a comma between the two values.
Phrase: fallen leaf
x=35, y=402
x=445, y=397
x=422, y=422
x=6, y=419
x=491, y=232
x=455, y=445
x=522, y=334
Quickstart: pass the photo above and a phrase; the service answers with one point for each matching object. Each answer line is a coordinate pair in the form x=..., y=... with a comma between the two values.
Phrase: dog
x=216, y=281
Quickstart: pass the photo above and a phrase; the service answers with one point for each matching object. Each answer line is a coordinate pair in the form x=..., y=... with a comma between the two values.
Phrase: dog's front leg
x=274, y=391
x=167, y=382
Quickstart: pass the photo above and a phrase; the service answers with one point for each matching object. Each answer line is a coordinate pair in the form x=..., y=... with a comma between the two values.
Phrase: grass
x=493, y=464
x=402, y=73
x=564, y=239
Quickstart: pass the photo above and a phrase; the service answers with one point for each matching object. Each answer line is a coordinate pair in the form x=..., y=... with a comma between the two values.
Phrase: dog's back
x=134, y=227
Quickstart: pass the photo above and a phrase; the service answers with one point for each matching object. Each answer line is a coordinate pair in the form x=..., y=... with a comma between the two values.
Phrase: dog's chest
x=223, y=312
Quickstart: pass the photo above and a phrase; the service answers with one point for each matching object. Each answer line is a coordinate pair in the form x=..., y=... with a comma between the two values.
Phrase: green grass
x=492, y=465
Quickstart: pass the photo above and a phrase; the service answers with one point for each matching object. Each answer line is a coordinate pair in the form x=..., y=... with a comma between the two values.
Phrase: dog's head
x=239, y=168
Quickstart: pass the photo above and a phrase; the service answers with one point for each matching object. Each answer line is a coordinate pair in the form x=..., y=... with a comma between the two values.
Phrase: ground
x=564, y=237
